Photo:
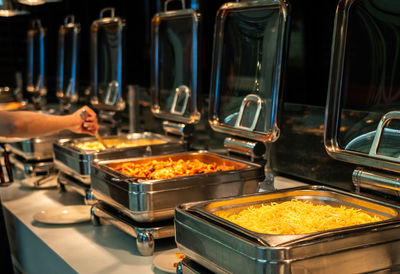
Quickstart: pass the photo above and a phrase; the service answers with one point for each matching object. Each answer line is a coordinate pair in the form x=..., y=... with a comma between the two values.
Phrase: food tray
x=151, y=200
x=76, y=162
x=39, y=148
x=227, y=247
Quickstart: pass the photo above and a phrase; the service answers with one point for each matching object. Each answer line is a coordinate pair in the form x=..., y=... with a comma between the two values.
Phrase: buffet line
x=215, y=205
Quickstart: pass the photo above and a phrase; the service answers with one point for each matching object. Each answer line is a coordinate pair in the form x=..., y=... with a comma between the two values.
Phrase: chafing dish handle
x=168, y=1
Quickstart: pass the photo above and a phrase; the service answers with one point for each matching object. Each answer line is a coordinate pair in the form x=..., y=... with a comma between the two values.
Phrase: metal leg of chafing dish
x=188, y=266
x=145, y=233
x=145, y=243
x=93, y=217
x=89, y=197
x=144, y=237
x=61, y=184
x=69, y=183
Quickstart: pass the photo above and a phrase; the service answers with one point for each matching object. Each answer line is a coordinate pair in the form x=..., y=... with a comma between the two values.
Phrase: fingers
x=90, y=128
x=89, y=125
x=89, y=113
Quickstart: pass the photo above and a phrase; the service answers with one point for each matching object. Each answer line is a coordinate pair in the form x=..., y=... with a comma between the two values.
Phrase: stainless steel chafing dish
x=107, y=34
x=362, y=113
x=224, y=247
x=107, y=61
x=361, y=126
x=175, y=98
x=67, y=62
x=39, y=148
x=76, y=162
x=25, y=169
x=154, y=200
x=36, y=74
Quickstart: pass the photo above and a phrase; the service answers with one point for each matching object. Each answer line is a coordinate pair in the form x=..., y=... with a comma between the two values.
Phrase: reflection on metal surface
x=107, y=61
x=36, y=78
x=378, y=181
x=251, y=252
x=249, y=47
x=178, y=129
x=145, y=233
x=384, y=122
x=245, y=108
x=252, y=149
x=361, y=91
x=175, y=65
x=181, y=91
x=7, y=9
x=37, y=2
x=68, y=47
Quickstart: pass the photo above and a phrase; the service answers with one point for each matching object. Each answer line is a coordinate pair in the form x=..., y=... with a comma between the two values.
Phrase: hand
x=86, y=123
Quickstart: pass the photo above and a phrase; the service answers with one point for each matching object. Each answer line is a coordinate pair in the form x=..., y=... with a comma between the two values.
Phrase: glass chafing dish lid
x=248, y=57
x=363, y=108
x=67, y=67
x=175, y=64
x=107, y=61
x=36, y=82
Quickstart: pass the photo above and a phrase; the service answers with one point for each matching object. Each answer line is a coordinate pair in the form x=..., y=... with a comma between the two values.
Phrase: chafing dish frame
x=69, y=183
x=27, y=169
x=154, y=200
x=229, y=248
x=145, y=233
x=77, y=162
x=39, y=148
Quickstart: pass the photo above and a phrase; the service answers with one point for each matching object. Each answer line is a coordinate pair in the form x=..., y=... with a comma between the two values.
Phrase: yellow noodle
x=297, y=217
x=117, y=143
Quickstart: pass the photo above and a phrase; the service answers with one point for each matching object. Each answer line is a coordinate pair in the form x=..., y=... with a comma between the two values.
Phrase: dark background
x=299, y=152
x=309, y=52
x=138, y=15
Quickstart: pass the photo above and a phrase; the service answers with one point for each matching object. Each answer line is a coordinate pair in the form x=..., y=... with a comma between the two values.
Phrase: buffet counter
x=73, y=248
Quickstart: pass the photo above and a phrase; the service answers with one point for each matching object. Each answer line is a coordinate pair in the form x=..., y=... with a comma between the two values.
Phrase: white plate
x=166, y=260
x=11, y=139
x=48, y=182
x=64, y=215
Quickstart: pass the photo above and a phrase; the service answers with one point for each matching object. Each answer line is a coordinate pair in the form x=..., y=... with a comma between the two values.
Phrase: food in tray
x=296, y=217
x=168, y=169
x=180, y=257
x=118, y=143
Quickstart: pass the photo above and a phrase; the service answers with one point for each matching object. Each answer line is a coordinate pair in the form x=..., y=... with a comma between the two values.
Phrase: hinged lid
x=250, y=40
x=67, y=69
x=175, y=64
x=107, y=61
x=363, y=108
x=36, y=82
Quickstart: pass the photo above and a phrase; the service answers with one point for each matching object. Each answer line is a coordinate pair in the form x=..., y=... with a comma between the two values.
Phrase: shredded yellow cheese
x=297, y=217
x=117, y=143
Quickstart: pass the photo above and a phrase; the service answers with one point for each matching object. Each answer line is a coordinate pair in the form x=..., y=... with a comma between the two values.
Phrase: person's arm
x=32, y=124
